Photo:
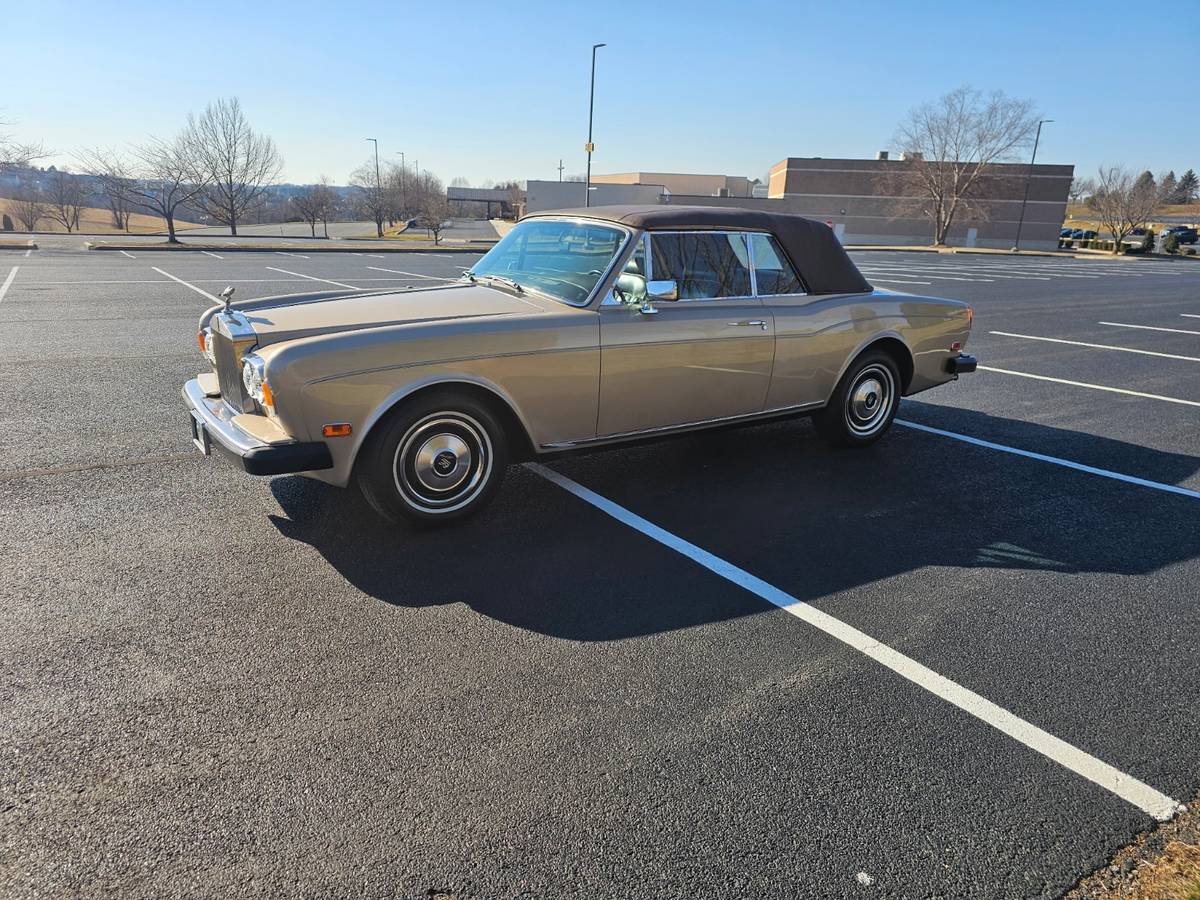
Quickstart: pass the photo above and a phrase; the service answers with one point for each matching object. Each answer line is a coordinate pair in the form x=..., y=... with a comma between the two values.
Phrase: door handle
x=759, y=322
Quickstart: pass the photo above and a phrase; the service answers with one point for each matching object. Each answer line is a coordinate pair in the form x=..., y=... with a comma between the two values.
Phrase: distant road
x=461, y=228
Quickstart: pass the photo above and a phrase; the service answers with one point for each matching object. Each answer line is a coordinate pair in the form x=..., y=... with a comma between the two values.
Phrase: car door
x=707, y=355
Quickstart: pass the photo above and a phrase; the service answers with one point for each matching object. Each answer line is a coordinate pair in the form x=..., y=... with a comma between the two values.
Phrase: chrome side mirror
x=666, y=289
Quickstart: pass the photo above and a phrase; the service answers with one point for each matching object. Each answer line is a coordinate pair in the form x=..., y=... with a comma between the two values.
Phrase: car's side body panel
x=817, y=337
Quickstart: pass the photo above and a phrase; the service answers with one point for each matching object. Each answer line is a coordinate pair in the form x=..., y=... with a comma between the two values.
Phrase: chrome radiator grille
x=228, y=353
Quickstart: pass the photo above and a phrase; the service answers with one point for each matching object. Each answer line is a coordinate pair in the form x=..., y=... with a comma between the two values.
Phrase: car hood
x=305, y=318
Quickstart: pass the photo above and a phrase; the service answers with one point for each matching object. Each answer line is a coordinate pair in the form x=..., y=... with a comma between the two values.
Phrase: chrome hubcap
x=870, y=400
x=442, y=462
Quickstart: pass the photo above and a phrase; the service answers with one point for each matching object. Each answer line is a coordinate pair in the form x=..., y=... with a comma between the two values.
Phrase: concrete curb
x=977, y=251
x=18, y=245
x=282, y=248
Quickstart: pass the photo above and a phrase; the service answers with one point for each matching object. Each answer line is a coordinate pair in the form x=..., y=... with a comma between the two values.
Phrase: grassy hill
x=98, y=221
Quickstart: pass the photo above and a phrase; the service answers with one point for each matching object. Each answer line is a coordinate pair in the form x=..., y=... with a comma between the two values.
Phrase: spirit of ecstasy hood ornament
x=227, y=296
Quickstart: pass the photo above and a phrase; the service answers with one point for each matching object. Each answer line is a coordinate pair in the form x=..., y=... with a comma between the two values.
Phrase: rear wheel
x=437, y=459
x=864, y=403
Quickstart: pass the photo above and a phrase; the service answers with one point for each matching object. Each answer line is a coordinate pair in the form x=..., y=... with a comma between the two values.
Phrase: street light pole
x=378, y=180
x=1028, y=177
x=587, y=185
x=403, y=186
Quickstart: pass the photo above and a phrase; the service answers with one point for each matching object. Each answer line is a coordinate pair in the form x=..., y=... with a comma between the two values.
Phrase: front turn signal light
x=339, y=429
x=200, y=340
x=970, y=315
x=268, y=399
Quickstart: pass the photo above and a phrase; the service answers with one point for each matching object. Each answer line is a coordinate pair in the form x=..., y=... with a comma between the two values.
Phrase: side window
x=772, y=271
x=706, y=264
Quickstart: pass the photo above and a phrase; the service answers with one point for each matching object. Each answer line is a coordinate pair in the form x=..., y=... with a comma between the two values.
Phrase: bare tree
x=16, y=155
x=314, y=204
x=435, y=210
x=237, y=163
x=118, y=207
x=1123, y=202
x=158, y=176
x=949, y=145
x=372, y=201
x=64, y=199
x=1080, y=189
x=29, y=208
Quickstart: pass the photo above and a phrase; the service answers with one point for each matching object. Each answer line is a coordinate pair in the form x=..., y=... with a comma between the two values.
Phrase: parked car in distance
x=1185, y=234
x=579, y=329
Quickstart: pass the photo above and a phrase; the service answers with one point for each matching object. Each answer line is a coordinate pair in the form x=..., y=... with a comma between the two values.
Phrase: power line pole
x=1028, y=178
x=560, y=168
x=587, y=184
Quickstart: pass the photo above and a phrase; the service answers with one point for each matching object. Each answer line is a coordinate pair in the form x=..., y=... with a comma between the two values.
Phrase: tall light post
x=1028, y=177
x=587, y=185
x=403, y=186
x=378, y=180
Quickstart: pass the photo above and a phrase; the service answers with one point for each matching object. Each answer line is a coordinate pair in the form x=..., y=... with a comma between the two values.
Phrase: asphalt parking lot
x=959, y=663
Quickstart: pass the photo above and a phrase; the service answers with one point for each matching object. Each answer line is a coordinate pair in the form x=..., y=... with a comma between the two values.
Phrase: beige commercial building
x=680, y=183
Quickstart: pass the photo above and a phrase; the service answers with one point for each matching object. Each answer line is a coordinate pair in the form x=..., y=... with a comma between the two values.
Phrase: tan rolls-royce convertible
x=580, y=328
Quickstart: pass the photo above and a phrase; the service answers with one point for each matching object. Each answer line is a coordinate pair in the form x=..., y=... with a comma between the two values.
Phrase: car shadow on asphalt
x=774, y=500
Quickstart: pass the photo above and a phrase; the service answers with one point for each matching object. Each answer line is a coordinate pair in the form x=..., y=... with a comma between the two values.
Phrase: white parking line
x=12, y=274
x=210, y=253
x=1125, y=786
x=1094, y=387
x=314, y=278
x=896, y=281
x=285, y=253
x=891, y=271
x=200, y=291
x=1065, y=463
x=1030, y=337
x=27, y=252
x=1149, y=328
x=413, y=274
x=130, y=255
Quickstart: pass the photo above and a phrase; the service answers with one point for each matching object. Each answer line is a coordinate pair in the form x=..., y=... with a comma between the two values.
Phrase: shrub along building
x=865, y=201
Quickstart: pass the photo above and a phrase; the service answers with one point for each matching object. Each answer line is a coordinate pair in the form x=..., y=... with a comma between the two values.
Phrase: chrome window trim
x=618, y=256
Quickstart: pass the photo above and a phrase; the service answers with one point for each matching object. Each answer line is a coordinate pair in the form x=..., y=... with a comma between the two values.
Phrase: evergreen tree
x=1188, y=187
x=1145, y=180
x=1170, y=188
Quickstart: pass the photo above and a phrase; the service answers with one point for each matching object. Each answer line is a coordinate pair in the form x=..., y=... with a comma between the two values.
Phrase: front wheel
x=435, y=460
x=864, y=403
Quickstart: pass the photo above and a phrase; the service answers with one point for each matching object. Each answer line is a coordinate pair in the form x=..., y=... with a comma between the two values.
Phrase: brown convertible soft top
x=814, y=250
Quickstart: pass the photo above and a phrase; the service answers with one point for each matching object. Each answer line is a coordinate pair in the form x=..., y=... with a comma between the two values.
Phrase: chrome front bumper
x=212, y=425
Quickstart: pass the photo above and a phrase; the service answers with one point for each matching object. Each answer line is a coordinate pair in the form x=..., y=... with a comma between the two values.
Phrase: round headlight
x=254, y=376
x=208, y=346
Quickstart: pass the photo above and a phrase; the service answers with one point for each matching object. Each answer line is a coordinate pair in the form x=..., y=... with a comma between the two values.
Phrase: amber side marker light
x=340, y=429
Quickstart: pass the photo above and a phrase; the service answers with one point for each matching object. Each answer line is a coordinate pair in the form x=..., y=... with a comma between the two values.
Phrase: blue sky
x=499, y=90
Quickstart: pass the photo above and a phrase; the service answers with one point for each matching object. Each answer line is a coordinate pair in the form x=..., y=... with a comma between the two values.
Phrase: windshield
x=562, y=259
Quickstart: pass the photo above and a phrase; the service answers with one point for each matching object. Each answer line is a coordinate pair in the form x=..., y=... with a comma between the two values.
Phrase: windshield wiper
x=512, y=284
